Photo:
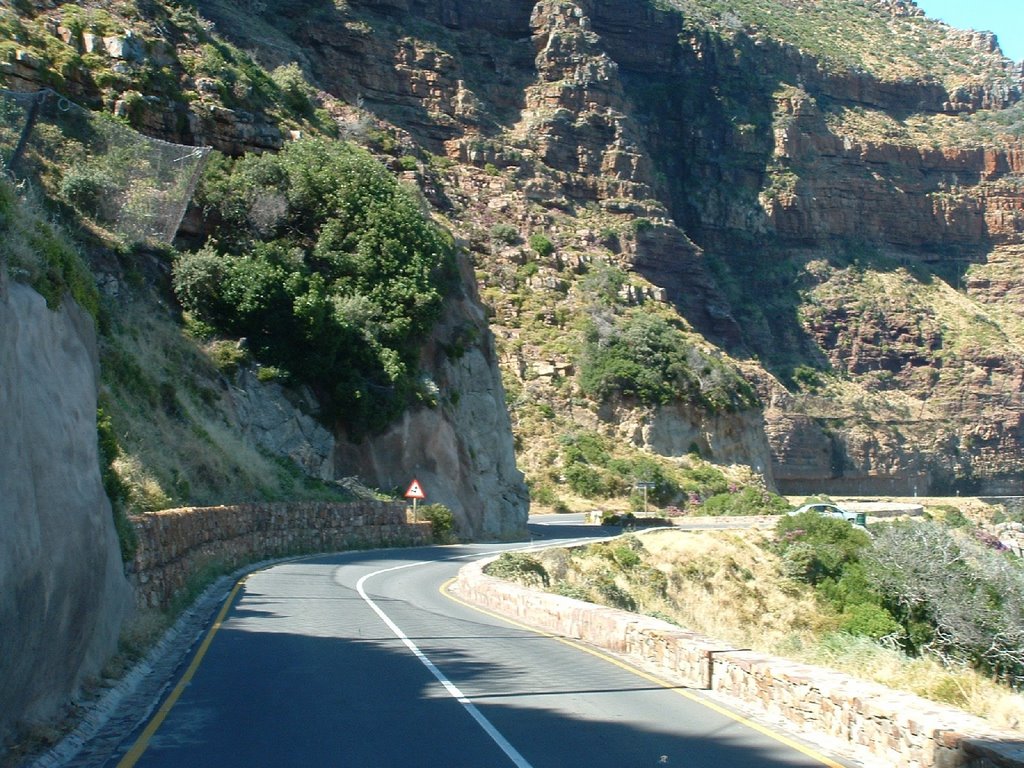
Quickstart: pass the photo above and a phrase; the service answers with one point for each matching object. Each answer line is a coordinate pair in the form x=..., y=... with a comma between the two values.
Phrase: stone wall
x=877, y=725
x=175, y=545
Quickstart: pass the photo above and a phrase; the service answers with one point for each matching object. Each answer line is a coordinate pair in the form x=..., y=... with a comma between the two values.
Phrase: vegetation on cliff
x=891, y=40
x=663, y=227
x=37, y=252
x=328, y=268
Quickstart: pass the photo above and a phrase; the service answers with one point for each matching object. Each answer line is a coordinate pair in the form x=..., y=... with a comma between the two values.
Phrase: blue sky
x=1004, y=17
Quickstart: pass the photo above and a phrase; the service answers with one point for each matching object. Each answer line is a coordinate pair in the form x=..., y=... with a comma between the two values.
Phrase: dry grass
x=729, y=586
x=174, y=421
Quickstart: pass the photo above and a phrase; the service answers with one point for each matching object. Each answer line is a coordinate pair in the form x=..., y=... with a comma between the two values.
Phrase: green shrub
x=505, y=233
x=650, y=358
x=704, y=479
x=613, y=594
x=442, y=522
x=228, y=356
x=519, y=566
x=586, y=480
x=625, y=556
x=750, y=500
x=114, y=486
x=543, y=493
x=327, y=265
x=267, y=373
x=614, y=518
x=826, y=545
x=957, y=597
x=90, y=192
x=869, y=620
x=295, y=91
x=541, y=245
x=41, y=254
x=575, y=591
x=643, y=468
x=807, y=378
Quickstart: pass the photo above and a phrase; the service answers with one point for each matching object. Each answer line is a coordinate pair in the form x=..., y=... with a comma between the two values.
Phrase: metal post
x=30, y=122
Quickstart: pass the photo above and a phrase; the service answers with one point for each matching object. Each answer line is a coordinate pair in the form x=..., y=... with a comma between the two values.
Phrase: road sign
x=415, y=491
x=645, y=486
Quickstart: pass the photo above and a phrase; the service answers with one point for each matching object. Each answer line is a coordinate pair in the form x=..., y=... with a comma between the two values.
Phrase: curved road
x=359, y=659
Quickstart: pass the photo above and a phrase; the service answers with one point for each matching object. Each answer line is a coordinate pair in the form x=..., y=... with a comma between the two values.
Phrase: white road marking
x=513, y=755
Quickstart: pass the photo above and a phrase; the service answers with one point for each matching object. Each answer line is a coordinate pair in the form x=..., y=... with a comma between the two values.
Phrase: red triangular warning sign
x=415, y=492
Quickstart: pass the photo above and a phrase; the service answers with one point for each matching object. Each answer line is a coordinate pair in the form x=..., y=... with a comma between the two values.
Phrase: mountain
x=714, y=248
x=784, y=234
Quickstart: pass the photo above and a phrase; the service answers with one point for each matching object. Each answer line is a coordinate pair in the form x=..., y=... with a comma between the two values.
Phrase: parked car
x=832, y=510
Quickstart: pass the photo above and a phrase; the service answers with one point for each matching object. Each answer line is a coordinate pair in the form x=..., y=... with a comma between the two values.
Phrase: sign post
x=415, y=493
x=645, y=486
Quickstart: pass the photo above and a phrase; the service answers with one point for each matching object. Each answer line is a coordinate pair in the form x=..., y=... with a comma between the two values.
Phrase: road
x=359, y=659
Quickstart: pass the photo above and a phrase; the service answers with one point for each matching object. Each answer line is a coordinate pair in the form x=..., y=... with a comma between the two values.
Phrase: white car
x=832, y=510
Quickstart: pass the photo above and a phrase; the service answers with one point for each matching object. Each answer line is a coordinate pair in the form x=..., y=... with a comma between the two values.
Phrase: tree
x=330, y=270
x=962, y=600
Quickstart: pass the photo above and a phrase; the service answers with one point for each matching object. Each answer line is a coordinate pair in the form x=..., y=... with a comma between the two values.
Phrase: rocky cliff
x=64, y=591
x=459, y=448
x=813, y=212
x=839, y=213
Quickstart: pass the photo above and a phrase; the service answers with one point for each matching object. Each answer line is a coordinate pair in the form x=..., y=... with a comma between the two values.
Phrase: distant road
x=359, y=660
x=576, y=522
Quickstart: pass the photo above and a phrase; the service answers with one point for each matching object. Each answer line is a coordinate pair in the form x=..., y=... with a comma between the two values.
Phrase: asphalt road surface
x=360, y=660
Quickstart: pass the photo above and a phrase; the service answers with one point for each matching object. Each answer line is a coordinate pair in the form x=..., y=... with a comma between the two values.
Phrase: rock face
x=460, y=450
x=734, y=176
x=727, y=150
x=63, y=593
x=271, y=417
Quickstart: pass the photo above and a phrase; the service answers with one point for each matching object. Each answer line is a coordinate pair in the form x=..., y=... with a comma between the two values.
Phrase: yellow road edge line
x=811, y=753
x=140, y=745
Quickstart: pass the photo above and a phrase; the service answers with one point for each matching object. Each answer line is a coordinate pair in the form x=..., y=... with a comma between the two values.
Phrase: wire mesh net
x=128, y=183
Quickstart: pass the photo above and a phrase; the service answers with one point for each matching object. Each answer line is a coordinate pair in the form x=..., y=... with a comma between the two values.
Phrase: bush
x=586, y=480
x=824, y=546
x=296, y=92
x=116, y=489
x=614, y=518
x=958, y=599
x=519, y=566
x=505, y=233
x=330, y=270
x=870, y=620
x=541, y=245
x=442, y=522
x=625, y=556
x=575, y=591
x=650, y=358
x=90, y=192
x=750, y=500
x=614, y=595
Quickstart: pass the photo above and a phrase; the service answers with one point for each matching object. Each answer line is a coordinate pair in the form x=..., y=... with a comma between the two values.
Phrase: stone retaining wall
x=175, y=545
x=877, y=725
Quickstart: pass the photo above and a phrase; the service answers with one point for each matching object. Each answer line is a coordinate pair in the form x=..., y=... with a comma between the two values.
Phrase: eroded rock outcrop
x=460, y=450
x=63, y=594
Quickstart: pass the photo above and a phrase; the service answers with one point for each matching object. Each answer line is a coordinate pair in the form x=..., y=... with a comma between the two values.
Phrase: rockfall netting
x=125, y=182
